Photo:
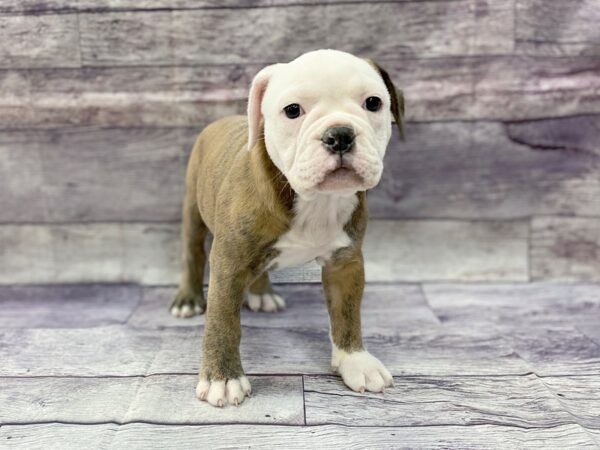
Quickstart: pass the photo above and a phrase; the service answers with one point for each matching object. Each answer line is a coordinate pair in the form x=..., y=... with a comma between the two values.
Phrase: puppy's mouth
x=341, y=178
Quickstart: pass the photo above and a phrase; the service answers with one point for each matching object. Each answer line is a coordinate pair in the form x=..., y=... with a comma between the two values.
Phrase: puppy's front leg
x=343, y=281
x=222, y=378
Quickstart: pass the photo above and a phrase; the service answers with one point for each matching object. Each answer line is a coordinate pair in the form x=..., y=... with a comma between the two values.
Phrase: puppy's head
x=327, y=120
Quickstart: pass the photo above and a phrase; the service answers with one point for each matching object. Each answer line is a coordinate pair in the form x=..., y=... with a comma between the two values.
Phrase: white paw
x=265, y=302
x=187, y=305
x=361, y=371
x=184, y=311
x=219, y=393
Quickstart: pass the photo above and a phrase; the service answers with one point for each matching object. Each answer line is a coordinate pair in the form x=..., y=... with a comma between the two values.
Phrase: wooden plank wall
x=100, y=101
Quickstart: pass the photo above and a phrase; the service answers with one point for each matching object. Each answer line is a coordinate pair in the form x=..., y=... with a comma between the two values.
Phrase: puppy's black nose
x=338, y=139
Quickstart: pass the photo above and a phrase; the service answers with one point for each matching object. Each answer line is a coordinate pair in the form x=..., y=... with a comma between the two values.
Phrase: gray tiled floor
x=475, y=365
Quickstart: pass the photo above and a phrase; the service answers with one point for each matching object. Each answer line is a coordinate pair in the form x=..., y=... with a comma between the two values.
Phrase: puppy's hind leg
x=189, y=300
x=262, y=297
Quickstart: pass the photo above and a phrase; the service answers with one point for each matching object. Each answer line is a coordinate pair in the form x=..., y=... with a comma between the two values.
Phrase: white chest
x=317, y=230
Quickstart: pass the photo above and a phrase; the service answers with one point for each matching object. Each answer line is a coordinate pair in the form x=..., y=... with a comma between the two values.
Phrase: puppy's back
x=212, y=159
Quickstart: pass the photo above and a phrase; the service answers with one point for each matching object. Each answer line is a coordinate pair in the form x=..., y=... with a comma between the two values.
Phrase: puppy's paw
x=187, y=304
x=222, y=392
x=361, y=371
x=268, y=302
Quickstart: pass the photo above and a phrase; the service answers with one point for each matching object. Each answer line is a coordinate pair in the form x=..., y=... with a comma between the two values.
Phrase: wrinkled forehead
x=319, y=76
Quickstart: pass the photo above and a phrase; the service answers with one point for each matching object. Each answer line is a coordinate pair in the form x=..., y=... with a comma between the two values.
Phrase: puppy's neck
x=272, y=186
x=324, y=211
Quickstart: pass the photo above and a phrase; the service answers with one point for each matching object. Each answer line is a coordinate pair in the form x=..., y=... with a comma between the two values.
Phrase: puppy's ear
x=257, y=91
x=396, y=95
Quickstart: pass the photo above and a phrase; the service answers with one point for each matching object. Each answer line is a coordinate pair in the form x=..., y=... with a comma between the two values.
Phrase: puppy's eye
x=293, y=111
x=373, y=104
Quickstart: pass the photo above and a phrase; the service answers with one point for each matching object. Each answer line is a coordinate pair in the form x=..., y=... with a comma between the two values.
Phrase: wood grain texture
x=518, y=305
x=165, y=399
x=122, y=97
x=533, y=87
x=470, y=384
x=590, y=330
x=39, y=41
x=383, y=307
x=306, y=273
x=148, y=253
x=460, y=88
x=421, y=250
x=109, y=5
x=578, y=134
x=580, y=396
x=119, y=351
x=82, y=175
x=67, y=306
x=553, y=351
x=558, y=28
x=160, y=437
x=222, y=36
x=594, y=434
x=513, y=401
x=565, y=248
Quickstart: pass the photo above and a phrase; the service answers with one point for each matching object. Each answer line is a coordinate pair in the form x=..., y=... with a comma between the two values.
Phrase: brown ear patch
x=396, y=95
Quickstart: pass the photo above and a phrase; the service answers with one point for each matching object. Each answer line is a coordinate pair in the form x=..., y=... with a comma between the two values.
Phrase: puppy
x=284, y=186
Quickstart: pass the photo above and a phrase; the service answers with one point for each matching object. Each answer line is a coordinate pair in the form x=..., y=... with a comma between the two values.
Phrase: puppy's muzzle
x=339, y=139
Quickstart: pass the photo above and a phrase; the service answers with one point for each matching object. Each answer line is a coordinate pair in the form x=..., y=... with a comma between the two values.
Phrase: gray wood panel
x=166, y=399
x=81, y=175
x=553, y=351
x=576, y=135
x=120, y=351
x=384, y=306
x=223, y=36
x=591, y=329
x=84, y=306
x=436, y=89
x=466, y=170
x=306, y=273
x=565, y=248
x=148, y=253
x=580, y=396
x=470, y=384
x=568, y=27
x=426, y=401
x=518, y=305
x=67, y=306
x=418, y=250
x=533, y=87
x=122, y=97
x=108, y=5
x=39, y=41
x=160, y=437
x=595, y=435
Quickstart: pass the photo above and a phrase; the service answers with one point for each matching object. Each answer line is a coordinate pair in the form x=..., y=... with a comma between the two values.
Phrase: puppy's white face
x=327, y=122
